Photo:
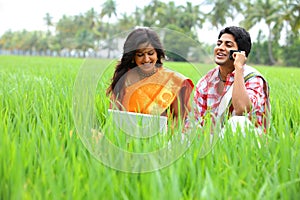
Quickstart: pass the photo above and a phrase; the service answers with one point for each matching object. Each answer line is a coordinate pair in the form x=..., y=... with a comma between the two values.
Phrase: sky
x=17, y=15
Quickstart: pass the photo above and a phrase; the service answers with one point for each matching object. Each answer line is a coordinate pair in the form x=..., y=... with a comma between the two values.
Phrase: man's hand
x=239, y=60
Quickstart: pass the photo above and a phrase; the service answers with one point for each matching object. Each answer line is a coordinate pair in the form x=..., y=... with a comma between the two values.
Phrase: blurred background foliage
x=90, y=33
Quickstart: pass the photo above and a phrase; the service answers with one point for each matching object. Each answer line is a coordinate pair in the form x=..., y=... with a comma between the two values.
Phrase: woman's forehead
x=145, y=46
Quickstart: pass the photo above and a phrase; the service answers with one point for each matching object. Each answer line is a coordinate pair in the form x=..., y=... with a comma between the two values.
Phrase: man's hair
x=241, y=36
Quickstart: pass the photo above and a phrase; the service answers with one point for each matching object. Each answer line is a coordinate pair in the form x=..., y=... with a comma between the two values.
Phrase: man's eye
x=229, y=44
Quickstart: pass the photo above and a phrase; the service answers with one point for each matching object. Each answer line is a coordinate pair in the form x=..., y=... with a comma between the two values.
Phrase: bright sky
x=28, y=14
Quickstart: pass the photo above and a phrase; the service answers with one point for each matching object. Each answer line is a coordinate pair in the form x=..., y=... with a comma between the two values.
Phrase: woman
x=140, y=82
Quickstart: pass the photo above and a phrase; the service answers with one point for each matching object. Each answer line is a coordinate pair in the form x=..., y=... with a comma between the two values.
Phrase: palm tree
x=191, y=17
x=84, y=41
x=152, y=13
x=149, y=16
x=126, y=22
x=222, y=10
x=48, y=20
x=91, y=18
x=264, y=11
x=6, y=40
x=108, y=9
x=169, y=14
x=66, y=29
x=290, y=13
x=138, y=15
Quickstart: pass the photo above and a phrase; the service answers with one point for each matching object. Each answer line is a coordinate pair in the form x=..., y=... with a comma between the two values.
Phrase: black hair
x=241, y=36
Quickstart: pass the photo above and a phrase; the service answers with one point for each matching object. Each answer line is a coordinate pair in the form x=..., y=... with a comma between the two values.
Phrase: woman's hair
x=137, y=37
x=241, y=36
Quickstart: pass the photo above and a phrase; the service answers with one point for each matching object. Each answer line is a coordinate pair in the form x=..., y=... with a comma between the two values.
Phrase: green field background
x=42, y=156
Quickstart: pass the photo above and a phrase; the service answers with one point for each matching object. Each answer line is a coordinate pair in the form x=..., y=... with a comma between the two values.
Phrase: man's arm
x=240, y=98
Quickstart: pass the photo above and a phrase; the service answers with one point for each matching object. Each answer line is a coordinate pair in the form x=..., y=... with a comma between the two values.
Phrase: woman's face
x=146, y=57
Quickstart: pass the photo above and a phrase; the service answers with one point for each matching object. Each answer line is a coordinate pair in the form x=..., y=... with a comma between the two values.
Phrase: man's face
x=222, y=49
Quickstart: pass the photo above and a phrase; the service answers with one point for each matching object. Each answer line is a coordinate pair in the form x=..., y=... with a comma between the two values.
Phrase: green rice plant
x=43, y=154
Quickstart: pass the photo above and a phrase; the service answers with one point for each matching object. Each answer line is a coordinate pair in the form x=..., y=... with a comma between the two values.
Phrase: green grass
x=43, y=157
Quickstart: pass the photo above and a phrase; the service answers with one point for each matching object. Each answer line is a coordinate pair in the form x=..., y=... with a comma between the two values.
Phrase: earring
x=132, y=61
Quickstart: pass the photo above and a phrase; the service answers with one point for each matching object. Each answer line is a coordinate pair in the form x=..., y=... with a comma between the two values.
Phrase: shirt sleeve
x=255, y=90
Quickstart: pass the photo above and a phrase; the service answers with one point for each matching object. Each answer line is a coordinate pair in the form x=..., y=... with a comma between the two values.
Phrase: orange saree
x=155, y=94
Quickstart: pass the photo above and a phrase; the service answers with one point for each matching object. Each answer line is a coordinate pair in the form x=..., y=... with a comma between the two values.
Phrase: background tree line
x=83, y=34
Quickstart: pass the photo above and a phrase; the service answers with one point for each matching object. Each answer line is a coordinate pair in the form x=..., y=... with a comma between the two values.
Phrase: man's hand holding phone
x=239, y=58
x=231, y=54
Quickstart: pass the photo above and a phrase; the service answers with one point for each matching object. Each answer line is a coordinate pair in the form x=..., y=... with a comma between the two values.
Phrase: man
x=233, y=88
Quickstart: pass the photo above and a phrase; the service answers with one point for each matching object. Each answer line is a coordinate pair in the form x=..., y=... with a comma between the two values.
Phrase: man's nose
x=221, y=46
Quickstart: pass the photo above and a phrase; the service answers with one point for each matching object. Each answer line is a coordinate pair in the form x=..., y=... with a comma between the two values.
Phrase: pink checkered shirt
x=207, y=98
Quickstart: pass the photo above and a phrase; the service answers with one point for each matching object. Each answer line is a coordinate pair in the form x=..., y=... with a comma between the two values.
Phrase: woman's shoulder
x=179, y=77
x=173, y=72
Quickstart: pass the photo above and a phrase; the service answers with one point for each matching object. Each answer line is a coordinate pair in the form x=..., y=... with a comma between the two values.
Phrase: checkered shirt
x=207, y=99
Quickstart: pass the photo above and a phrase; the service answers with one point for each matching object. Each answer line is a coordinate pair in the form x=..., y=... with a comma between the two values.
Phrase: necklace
x=144, y=75
x=219, y=75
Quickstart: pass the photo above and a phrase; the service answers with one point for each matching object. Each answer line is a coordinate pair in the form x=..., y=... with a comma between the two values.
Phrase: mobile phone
x=231, y=52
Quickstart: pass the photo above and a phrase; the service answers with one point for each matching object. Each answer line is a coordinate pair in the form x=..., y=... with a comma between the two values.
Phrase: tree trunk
x=270, y=52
